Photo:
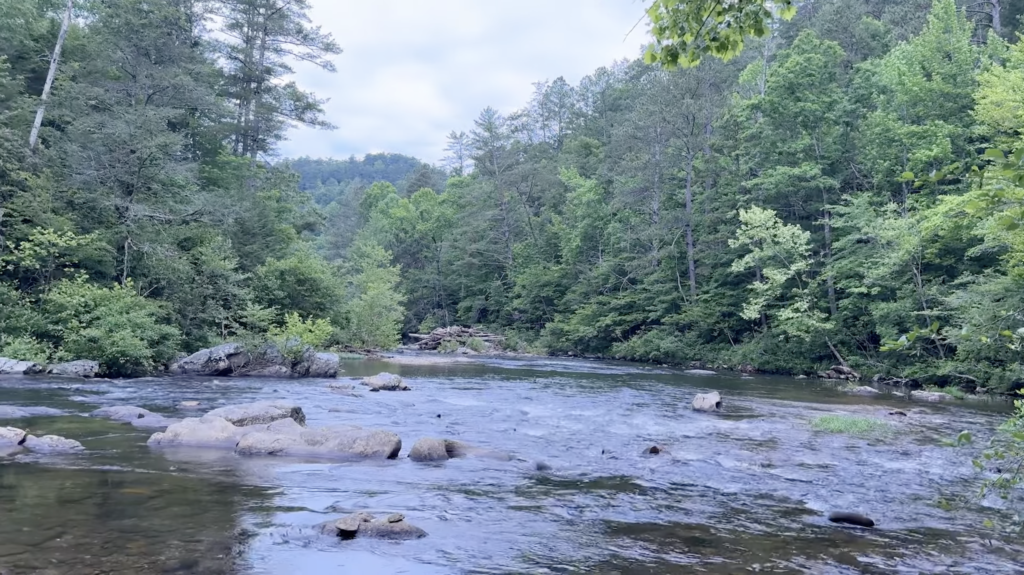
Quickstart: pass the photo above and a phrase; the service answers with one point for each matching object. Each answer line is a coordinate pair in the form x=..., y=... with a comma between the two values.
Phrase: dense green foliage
x=817, y=199
x=148, y=220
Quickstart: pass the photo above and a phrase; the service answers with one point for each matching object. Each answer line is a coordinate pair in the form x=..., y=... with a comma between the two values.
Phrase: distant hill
x=328, y=179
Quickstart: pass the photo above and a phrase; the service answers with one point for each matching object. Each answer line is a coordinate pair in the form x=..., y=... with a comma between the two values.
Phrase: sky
x=414, y=70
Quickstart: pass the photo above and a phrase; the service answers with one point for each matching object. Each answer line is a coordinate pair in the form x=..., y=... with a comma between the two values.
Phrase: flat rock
x=707, y=401
x=79, y=368
x=385, y=382
x=700, y=372
x=52, y=444
x=123, y=413
x=223, y=359
x=862, y=390
x=260, y=412
x=362, y=524
x=930, y=395
x=18, y=367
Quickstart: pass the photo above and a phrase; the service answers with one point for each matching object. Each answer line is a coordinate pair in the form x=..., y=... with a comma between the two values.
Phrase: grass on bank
x=955, y=392
x=850, y=425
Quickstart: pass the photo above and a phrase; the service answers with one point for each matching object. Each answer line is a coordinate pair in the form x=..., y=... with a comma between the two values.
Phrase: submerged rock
x=707, y=401
x=428, y=449
x=18, y=367
x=653, y=450
x=862, y=390
x=79, y=368
x=930, y=395
x=362, y=524
x=700, y=372
x=850, y=519
x=260, y=412
x=15, y=412
x=223, y=359
x=123, y=413
x=385, y=382
x=209, y=431
x=433, y=449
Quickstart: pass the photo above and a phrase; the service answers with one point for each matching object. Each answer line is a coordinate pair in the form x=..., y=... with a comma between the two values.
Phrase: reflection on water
x=746, y=490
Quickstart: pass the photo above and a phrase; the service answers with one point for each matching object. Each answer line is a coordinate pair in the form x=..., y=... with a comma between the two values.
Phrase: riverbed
x=744, y=490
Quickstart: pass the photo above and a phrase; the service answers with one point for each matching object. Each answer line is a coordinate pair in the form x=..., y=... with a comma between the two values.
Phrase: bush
x=297, y=334
x=374, y=309
x=476, y=344
x=25, y=348
x=303, y=283
x=125, y=332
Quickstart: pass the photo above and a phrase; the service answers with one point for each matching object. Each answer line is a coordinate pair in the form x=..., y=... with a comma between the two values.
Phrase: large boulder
x=429, y=449
x=18, y=367
x=208, y=431
x=707, y=401
x=260, y=412
x=224, y=359
x=52, y=444
x=393, y=527
x=930, y=395
x=12, y=436
x=321, y=365
x=385, y=382
x=276, y=371
x=79, y=368
x=331, y=442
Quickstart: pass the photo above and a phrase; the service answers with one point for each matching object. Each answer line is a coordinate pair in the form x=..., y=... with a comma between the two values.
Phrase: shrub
x=850, y=424
x=476, y=344
x=950, y=391
x=448, y=346
x=374, y=309
x=303, y=283
x=25, y=348
x=125, y=332
x=297, y=334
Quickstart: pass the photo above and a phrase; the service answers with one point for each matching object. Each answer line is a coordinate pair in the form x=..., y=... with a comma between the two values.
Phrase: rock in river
x=224, y=359
x=700, y=372
x=15, y=412
x=862, y=390
x=850, y=519
x=11, y=436
x=18, y=367
x=385, y=382
x=79, y=368
x=429, y=449
x=930, y=395
x=14, y=437
x=362, y=524
x=209, y=431
x=433, y=449
x=707, y=401
x=321, y=365
x=260, y=412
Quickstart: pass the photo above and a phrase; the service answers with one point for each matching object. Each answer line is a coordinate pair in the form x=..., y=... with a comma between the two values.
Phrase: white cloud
x=413, y=70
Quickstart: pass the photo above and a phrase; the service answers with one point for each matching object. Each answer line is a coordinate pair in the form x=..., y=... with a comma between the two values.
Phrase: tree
x=374, y=308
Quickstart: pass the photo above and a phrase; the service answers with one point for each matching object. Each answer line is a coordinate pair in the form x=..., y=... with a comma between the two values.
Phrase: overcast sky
x=414, y=70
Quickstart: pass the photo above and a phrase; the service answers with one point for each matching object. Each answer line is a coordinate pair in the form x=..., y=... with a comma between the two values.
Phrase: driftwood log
x=458, y=334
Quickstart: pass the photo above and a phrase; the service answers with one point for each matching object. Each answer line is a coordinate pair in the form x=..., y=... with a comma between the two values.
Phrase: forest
x=847, y=188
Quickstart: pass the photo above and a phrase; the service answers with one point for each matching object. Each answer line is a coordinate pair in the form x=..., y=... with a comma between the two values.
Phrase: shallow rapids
x=746, y=490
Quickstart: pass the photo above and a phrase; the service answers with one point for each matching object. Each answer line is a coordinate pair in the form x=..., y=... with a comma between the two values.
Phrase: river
x=746, y=490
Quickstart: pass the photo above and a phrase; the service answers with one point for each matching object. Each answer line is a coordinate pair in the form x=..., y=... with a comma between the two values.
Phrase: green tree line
x=149, y=218
x=841, y=190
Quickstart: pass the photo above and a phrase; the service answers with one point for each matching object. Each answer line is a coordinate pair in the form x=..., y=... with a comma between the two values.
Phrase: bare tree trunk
x=691, y=266
x=997, y=19
x=33, y=137
x=835, y=352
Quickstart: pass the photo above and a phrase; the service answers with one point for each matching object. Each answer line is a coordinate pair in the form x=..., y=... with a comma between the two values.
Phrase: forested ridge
x=845, y=189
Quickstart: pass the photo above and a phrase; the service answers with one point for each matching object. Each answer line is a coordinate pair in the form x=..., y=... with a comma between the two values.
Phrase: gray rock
x=700, y=372
x=154, y=421
x=352, y=442
x=394, y=527
x=78, y=368
x=224, y=359
x=319, y=365
x=862, y=390
x=542, y=466
x=930, y=395
x=278, y=371
x=385, y=382
x=429, y=449
x=125, y=413
x=12, y=436
x=208, y=431
x=707, y=401
x=189, y=405
x=260, y=412
x=52, y=444
x=18, y=367
x=459, y=449
x=15, y=412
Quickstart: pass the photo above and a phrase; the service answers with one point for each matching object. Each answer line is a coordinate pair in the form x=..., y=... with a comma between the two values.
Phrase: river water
x=746, y=490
